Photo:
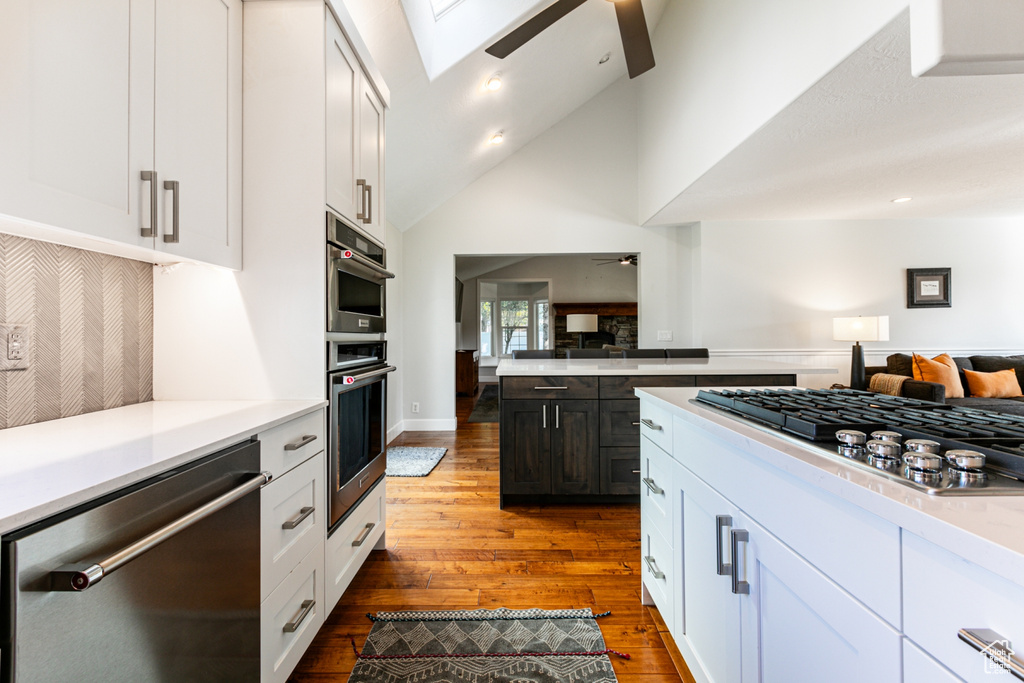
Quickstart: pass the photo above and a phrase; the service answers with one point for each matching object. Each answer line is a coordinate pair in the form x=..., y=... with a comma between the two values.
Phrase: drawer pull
x=636, y=424
x=303, y=513
x=722, y=522
x=293, y=626
x=551, y=388
x=363, y=534
x=738, y=536
x=655, y=489
x=653, y=567
x=296, y=445
x=995, y=647
x=636, y=471
x=650, y=424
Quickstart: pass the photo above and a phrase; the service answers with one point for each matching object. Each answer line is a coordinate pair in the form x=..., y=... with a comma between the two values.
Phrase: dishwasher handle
x=78, y=577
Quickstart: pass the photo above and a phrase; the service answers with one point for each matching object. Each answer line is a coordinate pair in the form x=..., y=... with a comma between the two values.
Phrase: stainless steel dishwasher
x=156, y=582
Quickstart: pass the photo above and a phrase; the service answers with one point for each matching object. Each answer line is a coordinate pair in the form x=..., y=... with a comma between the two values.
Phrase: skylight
x=441, y=7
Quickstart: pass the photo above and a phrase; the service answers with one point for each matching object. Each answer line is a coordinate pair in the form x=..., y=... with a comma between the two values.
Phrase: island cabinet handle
x=551, y=388
x=646, y=422
x=636, y=424
x=722, y=522
x=544, y=417
x=738, y=536
x=655, y=489
x=994, y=646
x=299, y=518
x=363, y=534
x=304, y=609
x=296, y=445
x=653, y=567
x=636, y=471
x=556, y=416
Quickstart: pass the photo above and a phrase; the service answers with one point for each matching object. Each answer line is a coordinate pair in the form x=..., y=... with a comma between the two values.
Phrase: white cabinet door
x=371, y=159
x=76, y=115
x=198, y=128
x=798, y=625
x=919, y=667
x=343, y=77
x=710, y=620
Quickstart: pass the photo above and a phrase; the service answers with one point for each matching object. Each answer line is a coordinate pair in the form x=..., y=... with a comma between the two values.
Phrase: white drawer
x=287, y=627
x=657, y=487
x=656, y=424
x=658, y=575
x=943, y=593
x=919, y=667
x=285, y=446
x=297, y=497
x=352, y=542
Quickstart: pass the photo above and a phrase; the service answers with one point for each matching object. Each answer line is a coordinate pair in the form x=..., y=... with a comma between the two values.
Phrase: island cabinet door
x=798, y=625
x=526, y=428
x=575, y=455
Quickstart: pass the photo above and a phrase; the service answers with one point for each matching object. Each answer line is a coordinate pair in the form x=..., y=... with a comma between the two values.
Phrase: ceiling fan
x=630, y=260
x=636, y=42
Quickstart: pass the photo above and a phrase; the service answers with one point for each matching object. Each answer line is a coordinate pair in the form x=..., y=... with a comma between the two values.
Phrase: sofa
x=903, y=364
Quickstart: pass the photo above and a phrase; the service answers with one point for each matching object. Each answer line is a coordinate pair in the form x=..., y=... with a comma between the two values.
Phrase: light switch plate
x=15, y=347
x=664, y=335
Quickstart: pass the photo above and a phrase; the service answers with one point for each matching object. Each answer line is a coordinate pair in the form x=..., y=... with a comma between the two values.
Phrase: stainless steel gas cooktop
x=934, y=448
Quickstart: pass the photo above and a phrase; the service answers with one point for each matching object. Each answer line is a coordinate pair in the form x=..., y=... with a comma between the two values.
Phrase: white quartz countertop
x=987, y=530
x=729, y=365
x=51, y=466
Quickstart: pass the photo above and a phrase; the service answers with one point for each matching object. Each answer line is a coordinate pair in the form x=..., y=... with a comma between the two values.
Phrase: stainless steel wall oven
x=357, y=389
x=355, y=280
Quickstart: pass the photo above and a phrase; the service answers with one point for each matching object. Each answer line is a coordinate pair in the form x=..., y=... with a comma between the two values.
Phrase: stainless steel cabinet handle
x=650, y=424
x=303, y=513
x=304, y=610
x=296, y=445
x=636, y=471
x=636, y=424
x=544, y=416
x=172, y=185
x=550, y=388
x=653, y=566
x=655, y=489
x=150, y=177
x=79, y=577
x=556, y=416
x=369, y=204
x=361, y=212
x=721, y=522
x=363, y=534
x=738, y=536
x=994, y=646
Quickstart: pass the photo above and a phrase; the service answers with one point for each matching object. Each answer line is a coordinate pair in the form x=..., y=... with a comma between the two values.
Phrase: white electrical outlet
x=16, y=343
x=664, y=335
x=415, y=407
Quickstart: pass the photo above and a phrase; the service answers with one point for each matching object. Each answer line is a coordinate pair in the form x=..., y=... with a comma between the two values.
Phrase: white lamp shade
x=861, y=329
x=581, y=322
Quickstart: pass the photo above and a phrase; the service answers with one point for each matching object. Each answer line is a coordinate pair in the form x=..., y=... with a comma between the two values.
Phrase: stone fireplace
x=617, y=324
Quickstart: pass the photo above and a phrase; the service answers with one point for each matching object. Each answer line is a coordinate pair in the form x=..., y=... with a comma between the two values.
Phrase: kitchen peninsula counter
x=655, y=366
x=52, y=466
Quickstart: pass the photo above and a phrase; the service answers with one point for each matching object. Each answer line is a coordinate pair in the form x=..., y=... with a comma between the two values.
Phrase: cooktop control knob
x=884, y=449
x=929, y=462
x=965, y=459
x=851, y=437
x=883, y=435
x=922, y=446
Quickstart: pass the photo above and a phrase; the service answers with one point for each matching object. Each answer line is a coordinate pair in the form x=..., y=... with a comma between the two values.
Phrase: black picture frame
x=928, y=288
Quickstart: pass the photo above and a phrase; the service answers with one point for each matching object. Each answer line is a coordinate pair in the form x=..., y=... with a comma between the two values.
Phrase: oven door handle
x=361, y=260
x=340, y=378
x=79, y=577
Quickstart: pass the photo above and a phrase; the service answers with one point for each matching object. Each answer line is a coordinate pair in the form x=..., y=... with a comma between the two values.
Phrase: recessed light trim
x=604, y=58
x=901, y=200
x=493, y=83
x=497, y=138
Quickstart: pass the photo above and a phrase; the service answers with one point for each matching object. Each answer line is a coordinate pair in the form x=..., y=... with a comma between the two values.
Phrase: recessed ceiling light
x=493, y=83
x=497, y=138
x=604, y=58
x=900, y=200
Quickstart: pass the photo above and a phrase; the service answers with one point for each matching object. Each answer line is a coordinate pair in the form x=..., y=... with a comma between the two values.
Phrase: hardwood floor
x=450, y=547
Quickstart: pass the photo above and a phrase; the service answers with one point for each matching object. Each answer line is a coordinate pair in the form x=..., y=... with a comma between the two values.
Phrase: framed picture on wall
x=928, y=288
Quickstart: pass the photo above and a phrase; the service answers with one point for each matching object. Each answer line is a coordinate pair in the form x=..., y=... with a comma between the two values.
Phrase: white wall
x=725, y=67
x=571, y=190
x=771, y=288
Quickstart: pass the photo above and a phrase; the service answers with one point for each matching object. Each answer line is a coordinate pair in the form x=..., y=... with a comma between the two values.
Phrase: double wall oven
x=357, y=366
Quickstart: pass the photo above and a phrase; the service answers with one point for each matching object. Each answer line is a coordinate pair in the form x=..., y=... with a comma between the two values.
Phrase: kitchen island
x=770, y=559
x=570, y=429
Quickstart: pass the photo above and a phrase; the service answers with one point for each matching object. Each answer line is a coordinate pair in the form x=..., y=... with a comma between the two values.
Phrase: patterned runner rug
x=485, y=646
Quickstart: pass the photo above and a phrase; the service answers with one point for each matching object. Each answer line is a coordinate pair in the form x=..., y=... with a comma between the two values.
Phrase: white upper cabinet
x=355, y=138
x=98, y=99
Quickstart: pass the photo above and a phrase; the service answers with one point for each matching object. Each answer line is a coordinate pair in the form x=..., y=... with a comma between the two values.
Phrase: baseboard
x=443, y=425
x=395, y=431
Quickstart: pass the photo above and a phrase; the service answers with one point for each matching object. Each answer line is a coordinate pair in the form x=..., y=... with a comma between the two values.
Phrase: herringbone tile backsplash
x=92, y=327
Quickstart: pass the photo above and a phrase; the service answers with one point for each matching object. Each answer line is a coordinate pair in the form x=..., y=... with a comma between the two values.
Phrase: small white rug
x=405, y=461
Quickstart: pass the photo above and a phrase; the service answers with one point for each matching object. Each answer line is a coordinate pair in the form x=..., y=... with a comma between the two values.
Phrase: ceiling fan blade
x=636, y=41
x=520, y=36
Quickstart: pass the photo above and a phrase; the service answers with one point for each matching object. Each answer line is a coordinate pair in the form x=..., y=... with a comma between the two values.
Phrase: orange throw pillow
x=1002, y=384
x=942, y=370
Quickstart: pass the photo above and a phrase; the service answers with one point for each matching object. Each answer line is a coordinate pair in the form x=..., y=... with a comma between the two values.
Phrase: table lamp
x=581, y=322
x=863, y=328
